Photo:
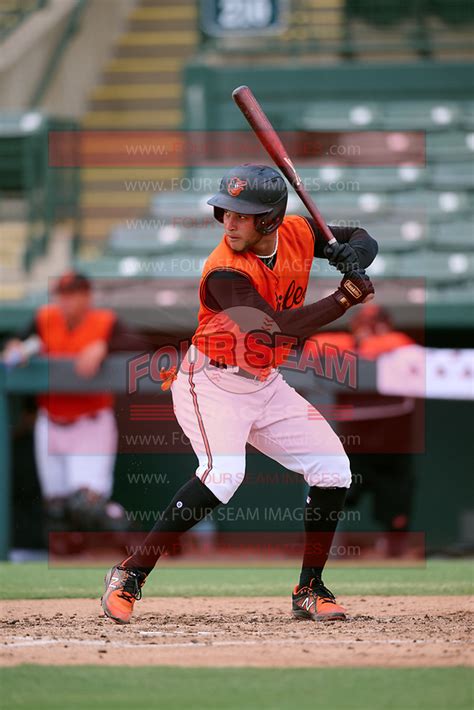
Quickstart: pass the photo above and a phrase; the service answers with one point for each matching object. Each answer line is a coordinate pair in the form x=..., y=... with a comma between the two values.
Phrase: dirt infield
x=226, y=631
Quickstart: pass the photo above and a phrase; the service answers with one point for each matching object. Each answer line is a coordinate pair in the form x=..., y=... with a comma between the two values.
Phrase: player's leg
x=50, y=465
x=298, y=437
x=209, y=418
x=90, y=461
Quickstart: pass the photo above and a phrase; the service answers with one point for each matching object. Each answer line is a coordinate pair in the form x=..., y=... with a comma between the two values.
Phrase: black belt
x=240, y=372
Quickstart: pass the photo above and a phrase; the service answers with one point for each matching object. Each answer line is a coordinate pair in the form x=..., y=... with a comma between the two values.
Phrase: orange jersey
x=59, y=341
x=376, y=345
x=283, y=287
x=371, y=347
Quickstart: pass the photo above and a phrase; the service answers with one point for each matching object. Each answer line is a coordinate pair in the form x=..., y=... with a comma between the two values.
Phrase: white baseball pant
x=79, y=455
x=220, y=412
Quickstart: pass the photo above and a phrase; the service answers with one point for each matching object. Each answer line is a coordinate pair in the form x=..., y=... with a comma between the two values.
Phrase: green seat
x=438, y=267
x=172, y=266
x=421, y=115
x=181, y=208
x=447, y=236
x=201, y=240
x=350, y=205
x=452, y=294
x=381, y=179
x=453, y=176
x=468, y=115
x=450, y=146
x=207, y=180
x=345, y=179
x=341, y=116
x=146, y=239
x=431, y=204
x=385, y=266
x=398, y=235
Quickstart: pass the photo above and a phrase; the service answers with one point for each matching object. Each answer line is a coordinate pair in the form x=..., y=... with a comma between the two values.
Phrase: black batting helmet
x=252, y=189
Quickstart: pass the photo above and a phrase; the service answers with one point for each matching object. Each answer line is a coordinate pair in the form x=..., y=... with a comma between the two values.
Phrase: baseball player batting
x=229, y=390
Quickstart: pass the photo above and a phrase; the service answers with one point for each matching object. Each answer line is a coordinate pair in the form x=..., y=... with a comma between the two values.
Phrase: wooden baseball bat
x=268, y=137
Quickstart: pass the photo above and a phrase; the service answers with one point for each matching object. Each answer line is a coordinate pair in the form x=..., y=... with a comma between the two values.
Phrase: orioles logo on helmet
x=235, y=186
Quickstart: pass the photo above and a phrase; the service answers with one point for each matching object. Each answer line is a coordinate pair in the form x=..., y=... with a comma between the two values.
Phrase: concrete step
x=131, y=65
x=135, y=104
x=133, y=91
x=170, y=11
x=155, y=51
x=133, y=119
x=13, y=287
x=160, y=25
x=176, y=38
x=163, y=78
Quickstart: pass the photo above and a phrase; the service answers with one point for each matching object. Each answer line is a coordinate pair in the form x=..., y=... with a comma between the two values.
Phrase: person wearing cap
x=229, y=390
x=75, y=435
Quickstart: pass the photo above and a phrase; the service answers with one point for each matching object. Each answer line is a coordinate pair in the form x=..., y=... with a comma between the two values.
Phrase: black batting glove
x=355, y=288
x=342, y=256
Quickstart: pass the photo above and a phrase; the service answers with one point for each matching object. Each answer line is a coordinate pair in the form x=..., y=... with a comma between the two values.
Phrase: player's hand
x=89, y=360
x=14, y=353
x=342, y=256
x=355, y=287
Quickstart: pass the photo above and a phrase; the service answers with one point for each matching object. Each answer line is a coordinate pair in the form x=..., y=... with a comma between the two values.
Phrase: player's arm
x=120, y=338
x=228, y=289
x=356, y=249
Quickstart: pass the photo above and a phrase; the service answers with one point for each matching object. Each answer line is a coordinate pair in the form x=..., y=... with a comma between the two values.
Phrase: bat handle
x=333, y=240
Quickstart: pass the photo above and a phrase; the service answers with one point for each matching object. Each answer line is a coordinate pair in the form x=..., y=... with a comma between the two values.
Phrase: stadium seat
x=341, y=115
x=385, y=265
x=456, y=295
x=450, y=146
x=201, y=240
x=380, y=179
x=207, y=179
x=468, y=115
x=179, y=206
x=453, y=176
x=340, y=178
x=398, y=235
x=453, y=235
x=350, y=204
x=437, y=267
x=421, y=115
x=432, y=203
x=146, y=239
x=173, y=266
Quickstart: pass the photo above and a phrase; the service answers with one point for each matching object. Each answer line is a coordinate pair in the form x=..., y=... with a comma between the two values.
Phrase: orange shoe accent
x=317, y=603
x=122, y=590
x=168, y=377
x=329, y=609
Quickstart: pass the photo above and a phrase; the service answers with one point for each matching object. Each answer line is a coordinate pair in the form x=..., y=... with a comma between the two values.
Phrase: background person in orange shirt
x=76, y=434
x=382, y=431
